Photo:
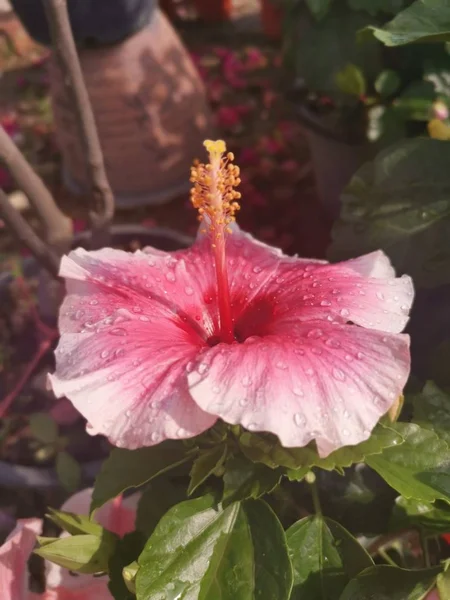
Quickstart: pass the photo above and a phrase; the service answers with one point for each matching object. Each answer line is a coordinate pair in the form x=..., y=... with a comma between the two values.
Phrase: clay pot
x=151, y=112
x=93, y=21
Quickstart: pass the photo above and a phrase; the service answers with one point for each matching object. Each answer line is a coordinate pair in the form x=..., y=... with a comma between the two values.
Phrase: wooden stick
x=65, y=51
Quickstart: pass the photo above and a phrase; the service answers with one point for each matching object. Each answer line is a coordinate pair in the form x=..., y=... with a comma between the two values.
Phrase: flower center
x=215, y=198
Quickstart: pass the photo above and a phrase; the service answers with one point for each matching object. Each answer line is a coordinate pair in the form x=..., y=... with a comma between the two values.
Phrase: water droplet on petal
x=155, y=437
x=338, y=374
x=348, y=358
x=93, y=302
x=170, y=276
x=79, y=314
x=257, y=269
x=188, y=291
x=299, y=419
x=144, y=319
x=344, y=312
x=137, y=309
x=104, y=354
x=243, y=401
x=281, y=365
x=246, y=381
x=252, y=426
x=128, y=413
x=346, y=414
x=118, y=331
x=325, y=303
x=298, y=392
x=309, y=371
x=216, y=389
x=181, y=432
x=314, y=333
x=202, y=368
x=345, y=432
x=360, y=356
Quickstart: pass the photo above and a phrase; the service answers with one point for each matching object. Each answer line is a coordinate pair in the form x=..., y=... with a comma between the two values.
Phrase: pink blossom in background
x=158, y=345
x=117, y=516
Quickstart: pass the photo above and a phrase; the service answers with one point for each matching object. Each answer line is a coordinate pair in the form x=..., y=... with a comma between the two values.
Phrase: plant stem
x=57, y=227
x=48, y=257
x=385, y=556
x=311, y=480
x=425, y=549
x=102, y=211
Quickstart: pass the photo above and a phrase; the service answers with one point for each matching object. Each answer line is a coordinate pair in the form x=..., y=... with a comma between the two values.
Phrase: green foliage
x=383, y=582
x=75, y=524
x=43, y=428
x=201, y=551
x=418, y=468
x=159, y=496
x=387, y=83
x=423, y=21
x=127, y=550
x=400, y=203
x=125, y=469
x=325, y=557
x=205, y=465
x=244, y=479
x=432, y=410
x=68, y=471
x=350, y=80
x=431, y=517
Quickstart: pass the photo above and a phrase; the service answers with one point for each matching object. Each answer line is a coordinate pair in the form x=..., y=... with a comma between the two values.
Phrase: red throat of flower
x=215, y=198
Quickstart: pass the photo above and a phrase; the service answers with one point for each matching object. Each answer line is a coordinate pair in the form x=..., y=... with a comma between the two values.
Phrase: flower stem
x=311, y=480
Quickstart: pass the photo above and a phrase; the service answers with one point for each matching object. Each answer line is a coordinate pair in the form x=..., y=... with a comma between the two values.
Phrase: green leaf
x=432, y=410
x=75, y=524
x=127, y=551
x=433, y=518
x=200, y=551
x=419, y=468
x=387, y=83
x=319, y=8
x=400, y=203
x=443, y=582
x=245, y=479
x=82, y=553
x=423, y=21
x=205, y=465
x=160, y=495
x=385, y=582
x=375, y=6
x=125, y=469
x=68, y=471
x=324, y=556
x=350, y=80
x=269, y=451
x=43, y=428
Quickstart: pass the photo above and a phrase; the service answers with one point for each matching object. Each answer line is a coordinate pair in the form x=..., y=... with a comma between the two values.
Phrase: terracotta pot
x=271, y=19
x=213, y=10
x=20, y=476
x=92, y=21
x=151, y=113
x=335, y=160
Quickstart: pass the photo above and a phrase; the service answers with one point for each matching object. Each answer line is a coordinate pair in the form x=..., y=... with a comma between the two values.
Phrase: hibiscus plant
x=344, y=77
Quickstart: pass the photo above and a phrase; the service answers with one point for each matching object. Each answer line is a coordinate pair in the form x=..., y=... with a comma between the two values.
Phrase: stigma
x=213, y=193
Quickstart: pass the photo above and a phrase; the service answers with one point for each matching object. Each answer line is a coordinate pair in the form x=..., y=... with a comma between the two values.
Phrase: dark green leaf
x=390, y=583
x=81, y=553
x=325, y=556
x=43, y=428
x=127, y=551
x=423, y=21
x=387, y=83
x=432, y=410
x=400, y=203
x=350, y=80
x=200, y=551
x=319, y=8
x=419, y=468
x=125, y=469
x=75, y=524
x=245, y=479
x=205, y=465
x=416, y=513
x=269, y=451
x=68, y=471
x=160, y=495
x=375, y=6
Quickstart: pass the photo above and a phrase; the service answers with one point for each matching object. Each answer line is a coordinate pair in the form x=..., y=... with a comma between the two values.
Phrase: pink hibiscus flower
x=60, y=584
x=158, y=345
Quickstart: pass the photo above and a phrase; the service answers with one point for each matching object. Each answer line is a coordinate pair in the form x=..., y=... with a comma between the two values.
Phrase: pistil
x=215, y=198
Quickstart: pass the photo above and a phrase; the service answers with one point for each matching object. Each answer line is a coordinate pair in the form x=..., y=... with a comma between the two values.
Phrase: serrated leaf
x=387, y=83
x=205, y=465
x=416, y=513
x=43, y=428
x=127, y=550
x=81, y=553
x=432, y=410
x=423, y=21
x=400, y=203
x=244, y=479
x=75, y=524
x=385, y=582
x=200, y=551
x=125, y=469
x=350, y=80
x=68, y=471
x=325, y=556
x=419, y=468
x=269, y=451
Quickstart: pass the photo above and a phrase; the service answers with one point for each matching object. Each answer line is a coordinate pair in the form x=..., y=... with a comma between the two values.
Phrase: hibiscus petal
x=14, y=556
x=129, y=380
x=331, y=383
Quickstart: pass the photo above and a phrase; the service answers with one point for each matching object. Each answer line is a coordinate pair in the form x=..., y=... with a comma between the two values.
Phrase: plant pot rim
x=317, y=125
x=27, y=476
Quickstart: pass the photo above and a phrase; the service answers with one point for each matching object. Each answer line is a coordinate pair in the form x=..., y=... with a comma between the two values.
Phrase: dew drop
x=155, y=437
x=257, y=269
x=128, y=414
x=332, y=343
x=344, y=312
x=118, y=331
x=93, y=302
x=309, y=371
x=243, y=401
x=246, y=381
x=202, y=368
x=252, y=426
x=346, y=414
x=137, y=309
x=104, y=354
x=120, y=352
x=181, y=432
x=299, y=419
x=314, y=334
x=298, y=392
x=216, y=389
x=380, y=296
x=345, y=432
x=79, y=314
x=338, y=374
x=316, y=351
x=325, y=303
x=188, y=291
x=170, y=276
x=348, y=358
x=360, y=356
x=281, y=365
x=144, y=319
